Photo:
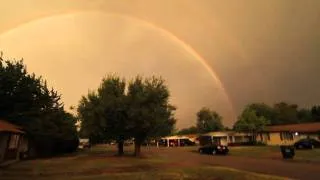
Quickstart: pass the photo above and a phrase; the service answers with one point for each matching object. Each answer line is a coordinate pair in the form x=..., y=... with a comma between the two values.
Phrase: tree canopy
x=141, y=112
x=103, y=114
x=315, y=113
x=208, y=120
x=262, y=109
x=249, y=121
x=27, y=101
x=285, y=113
x=150, y=113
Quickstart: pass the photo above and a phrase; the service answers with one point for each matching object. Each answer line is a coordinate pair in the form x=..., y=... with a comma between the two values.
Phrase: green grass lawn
x=100, y=163
x=273, y=152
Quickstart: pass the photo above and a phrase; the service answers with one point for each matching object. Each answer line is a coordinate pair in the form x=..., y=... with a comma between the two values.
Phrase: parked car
x=187, y=142
x=84, y=143
x=214, y=149
x=307, y=143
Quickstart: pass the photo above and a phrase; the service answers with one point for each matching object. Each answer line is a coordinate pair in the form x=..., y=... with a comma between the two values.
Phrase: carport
x=12, y=142
x=174, y=140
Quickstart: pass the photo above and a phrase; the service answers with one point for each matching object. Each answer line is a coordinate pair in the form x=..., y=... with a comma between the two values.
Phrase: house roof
x=8, y=127
x=180, y=137
x=191, y=135
x=226, y=133
x=303, y=127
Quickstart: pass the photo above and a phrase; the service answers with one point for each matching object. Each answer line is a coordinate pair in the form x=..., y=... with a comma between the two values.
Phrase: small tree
x=149, y=111
x=249, y=122
x=208, y=121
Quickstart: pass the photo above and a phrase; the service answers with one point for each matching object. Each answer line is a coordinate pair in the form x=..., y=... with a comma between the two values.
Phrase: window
x=286, y=136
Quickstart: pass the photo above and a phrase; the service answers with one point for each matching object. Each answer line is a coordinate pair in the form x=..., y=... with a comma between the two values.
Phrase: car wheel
x=312, y=146
x=300, y=147
x=214, y=152
x=200, y=151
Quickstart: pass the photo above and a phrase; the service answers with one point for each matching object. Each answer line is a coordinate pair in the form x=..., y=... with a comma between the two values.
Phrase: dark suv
x=214, y=149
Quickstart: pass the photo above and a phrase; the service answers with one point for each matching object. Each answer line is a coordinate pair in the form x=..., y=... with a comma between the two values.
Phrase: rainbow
x=163, y=32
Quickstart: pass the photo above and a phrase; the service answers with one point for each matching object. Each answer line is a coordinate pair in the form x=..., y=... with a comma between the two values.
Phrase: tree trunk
x=120, y=148
x=137, y=148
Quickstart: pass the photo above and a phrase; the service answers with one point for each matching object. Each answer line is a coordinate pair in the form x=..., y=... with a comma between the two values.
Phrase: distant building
x=178, y=140
x=13, y=143
x=225, y=138
x=216, y=137
x=288, y=134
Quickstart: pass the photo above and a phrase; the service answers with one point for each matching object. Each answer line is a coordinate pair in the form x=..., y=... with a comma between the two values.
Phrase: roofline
x=291, y=131
x=13, y=128
x=14, y=132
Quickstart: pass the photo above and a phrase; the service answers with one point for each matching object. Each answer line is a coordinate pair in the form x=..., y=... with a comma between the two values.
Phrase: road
x=284, y=168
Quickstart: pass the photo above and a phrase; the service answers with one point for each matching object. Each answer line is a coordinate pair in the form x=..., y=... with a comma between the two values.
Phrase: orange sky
x=261, y=51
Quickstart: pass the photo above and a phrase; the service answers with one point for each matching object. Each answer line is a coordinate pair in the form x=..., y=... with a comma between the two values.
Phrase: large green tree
x=305, y=115
x=249, y=121
x=149, y=111
x=103, y=114
x=264, y=110
x=27, y=101
x=112, y=114
x=114, y=107
x=315, y=113
x=285, y=113
x=208, y=120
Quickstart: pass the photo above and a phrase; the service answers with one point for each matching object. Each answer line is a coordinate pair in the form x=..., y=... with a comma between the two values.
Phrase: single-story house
x=12, y=142
x=225, y=138
x=288, y=134
x=178, y=140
